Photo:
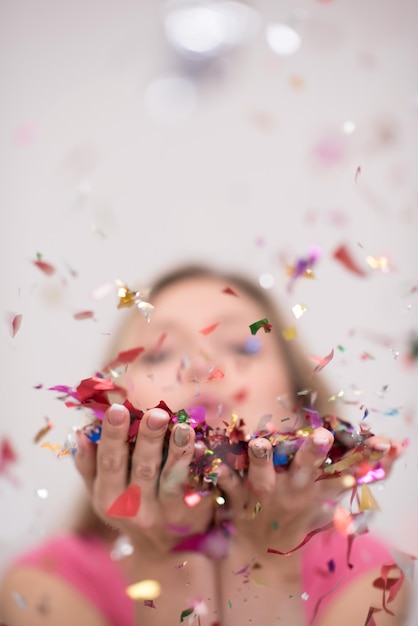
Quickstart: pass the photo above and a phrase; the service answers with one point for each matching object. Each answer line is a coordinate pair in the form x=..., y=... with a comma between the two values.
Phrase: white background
x=246, y=169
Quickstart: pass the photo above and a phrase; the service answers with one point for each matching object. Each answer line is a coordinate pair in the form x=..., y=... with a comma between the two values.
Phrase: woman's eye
x=249, y=347
x=155, y=357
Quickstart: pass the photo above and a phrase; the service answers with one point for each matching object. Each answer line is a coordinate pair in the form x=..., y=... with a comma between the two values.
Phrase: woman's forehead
x=204, y=297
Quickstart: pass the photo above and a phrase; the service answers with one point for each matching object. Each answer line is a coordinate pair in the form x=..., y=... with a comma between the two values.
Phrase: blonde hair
x=299, y=367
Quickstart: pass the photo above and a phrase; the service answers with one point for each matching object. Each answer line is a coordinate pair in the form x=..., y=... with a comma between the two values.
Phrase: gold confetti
x=289, y=333
x=144, y=590
x=367, y=500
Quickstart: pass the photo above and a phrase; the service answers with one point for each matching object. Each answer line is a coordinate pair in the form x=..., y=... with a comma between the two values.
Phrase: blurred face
x=199, y=351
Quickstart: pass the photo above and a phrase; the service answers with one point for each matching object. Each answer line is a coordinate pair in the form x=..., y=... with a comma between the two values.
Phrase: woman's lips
x=216, y=409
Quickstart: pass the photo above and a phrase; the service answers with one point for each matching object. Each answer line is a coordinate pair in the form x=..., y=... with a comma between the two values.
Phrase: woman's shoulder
x=76, y=568
x=333, y=563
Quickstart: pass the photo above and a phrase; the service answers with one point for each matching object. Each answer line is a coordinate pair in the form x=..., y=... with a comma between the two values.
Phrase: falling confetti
x=358, y=172
x=84, y=315
x=344, y=256
x=45, y=267
x=290, y=333
x=144, y=590
x=43, y=431
x=264, y=324
x=298, y=310
x=209, y=329
x=16, y=323
x=324, y=361
x=127, y=504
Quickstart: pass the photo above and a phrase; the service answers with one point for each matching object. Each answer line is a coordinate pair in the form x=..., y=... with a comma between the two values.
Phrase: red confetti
x=208, y=329
x=127, y=504
x=45, y=267
x=7, y=455
x=302, y=543
x=229, y=291
x=370, y=621
x=390, y=586
x=343, y=255
x=358, y=172
x=217, y=374
x=16, y=322
x=83, y=315
x=125, y=357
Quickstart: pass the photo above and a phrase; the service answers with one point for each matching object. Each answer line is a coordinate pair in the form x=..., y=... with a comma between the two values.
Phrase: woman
x=229, y=564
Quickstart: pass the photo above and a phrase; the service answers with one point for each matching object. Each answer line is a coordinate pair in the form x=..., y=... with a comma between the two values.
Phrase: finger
x=85, y=459
x=376, y=448
x=112, y=457
x=147, y=456
x=231, y=485
x=261, y=473
x=309, y=458
x=175, y=474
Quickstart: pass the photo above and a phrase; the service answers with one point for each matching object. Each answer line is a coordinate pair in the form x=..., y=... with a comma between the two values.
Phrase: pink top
x=86, y=564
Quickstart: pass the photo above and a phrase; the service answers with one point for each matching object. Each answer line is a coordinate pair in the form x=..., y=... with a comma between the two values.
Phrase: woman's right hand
x=163, y=518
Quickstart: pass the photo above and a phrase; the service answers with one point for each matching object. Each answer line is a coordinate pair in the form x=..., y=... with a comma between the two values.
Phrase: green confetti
x=264, y=323
x=186, y=613
x=229, y=604
x=275, y=525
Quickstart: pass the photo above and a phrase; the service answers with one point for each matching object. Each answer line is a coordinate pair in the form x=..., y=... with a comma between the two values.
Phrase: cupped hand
x=163, y=518
x=277, y=510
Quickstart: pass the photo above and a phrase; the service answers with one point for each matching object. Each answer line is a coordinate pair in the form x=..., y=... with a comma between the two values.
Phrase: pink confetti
x=192, y=499
x=358, y=172
x=324, y=361
x=83, y=315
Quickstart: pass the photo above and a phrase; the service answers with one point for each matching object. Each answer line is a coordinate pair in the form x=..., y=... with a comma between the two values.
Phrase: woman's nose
x=199, y=364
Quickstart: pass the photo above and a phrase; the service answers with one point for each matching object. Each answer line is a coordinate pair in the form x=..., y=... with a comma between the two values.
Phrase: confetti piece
x=370, y=621
x=128, y=298
x=358, y=172
x=324, y=361
x=127, y=504
x=83, y=315
x=302, y=543
x=298, y=310
x=43, y=431
x=209, y=329
x=7, y=455
x=42, y=493
x=186, y=613
x=343, y=521
x=378, y=263
x=45, y=267
x=192, y=498
x=303, y=266
x=365, y=356
x=16, y=323
x=290, y=333
x=144, y=590
x=124, y=358
x=343, y=255
x=229, y=291
x=54, y=447
x=217, y=374
x=264, y=324
x=367, y=500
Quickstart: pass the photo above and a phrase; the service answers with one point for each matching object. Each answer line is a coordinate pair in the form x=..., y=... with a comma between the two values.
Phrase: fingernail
x=382, y=446
x=259, y=451
x=116, y=414
x=321, y=443
x=181, y=435
x=157, y=418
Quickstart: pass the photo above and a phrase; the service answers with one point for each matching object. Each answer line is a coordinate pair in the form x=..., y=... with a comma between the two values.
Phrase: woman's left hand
x=277, y=510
